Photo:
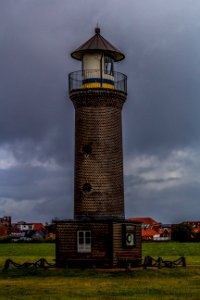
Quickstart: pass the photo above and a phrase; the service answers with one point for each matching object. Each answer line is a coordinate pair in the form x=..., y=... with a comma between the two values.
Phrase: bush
x=182, y=233
x=5, y=239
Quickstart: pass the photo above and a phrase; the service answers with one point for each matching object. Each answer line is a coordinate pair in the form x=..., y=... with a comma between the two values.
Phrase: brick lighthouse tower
x=99, y=234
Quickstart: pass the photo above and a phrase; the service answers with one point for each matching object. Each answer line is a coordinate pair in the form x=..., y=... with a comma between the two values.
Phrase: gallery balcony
x=97, y=79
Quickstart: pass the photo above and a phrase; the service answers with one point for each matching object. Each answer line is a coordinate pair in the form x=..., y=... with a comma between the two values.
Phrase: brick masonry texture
x=98, y=186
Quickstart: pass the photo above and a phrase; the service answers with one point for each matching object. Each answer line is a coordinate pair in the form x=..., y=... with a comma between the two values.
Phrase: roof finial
x=97, y=29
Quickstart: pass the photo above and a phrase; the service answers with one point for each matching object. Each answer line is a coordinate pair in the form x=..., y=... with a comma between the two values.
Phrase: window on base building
x=84, y=241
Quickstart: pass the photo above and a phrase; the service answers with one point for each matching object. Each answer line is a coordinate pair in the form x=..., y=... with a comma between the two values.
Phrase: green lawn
x=32, y=252
x=173, y=250
x=26, y=252
x=151, y=284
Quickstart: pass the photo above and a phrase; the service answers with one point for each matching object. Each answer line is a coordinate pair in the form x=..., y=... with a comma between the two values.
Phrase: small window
x=84, y=241
x=87, y=188
x=108, y=65
x=87, y=150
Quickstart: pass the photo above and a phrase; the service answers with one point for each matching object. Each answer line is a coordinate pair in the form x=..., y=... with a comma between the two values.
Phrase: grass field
x=26, y=252
x=172, y=284
x=173, y=250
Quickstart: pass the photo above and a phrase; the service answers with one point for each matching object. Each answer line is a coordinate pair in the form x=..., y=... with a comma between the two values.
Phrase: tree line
x=184, y=233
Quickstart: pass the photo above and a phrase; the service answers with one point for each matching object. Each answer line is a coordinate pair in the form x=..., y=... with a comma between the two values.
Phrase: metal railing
x=87, y=79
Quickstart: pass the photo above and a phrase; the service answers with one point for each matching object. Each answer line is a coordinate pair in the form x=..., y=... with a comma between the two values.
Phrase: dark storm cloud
x=43, y=189
x=31, y=182
x=166, y=87
x=33, y=76
x=168, y=205
x=161, y=42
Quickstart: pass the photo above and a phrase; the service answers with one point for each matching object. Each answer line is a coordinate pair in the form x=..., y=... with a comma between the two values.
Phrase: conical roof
x=98, y=43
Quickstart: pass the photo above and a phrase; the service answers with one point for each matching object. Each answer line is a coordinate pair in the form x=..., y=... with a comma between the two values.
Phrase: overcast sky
x=161, y=123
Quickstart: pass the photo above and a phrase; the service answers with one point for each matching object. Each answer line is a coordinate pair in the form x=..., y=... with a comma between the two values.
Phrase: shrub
x=5, y=239
x=182, y=232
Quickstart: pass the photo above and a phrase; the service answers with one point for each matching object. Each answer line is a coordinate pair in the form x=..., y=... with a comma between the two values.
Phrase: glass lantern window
x=108, y=66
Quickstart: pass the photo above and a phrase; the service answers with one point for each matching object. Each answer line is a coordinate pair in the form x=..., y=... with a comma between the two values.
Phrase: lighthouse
x=99, y=234
x=98, y=102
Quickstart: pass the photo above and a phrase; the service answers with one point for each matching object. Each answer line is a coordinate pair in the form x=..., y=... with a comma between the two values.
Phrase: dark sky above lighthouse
x=161, y=118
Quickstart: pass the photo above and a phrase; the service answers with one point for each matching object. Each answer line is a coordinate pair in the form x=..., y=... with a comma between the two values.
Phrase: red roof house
x=150, y=228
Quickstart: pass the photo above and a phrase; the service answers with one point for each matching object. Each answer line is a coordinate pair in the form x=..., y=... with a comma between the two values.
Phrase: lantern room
x=98, y=57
